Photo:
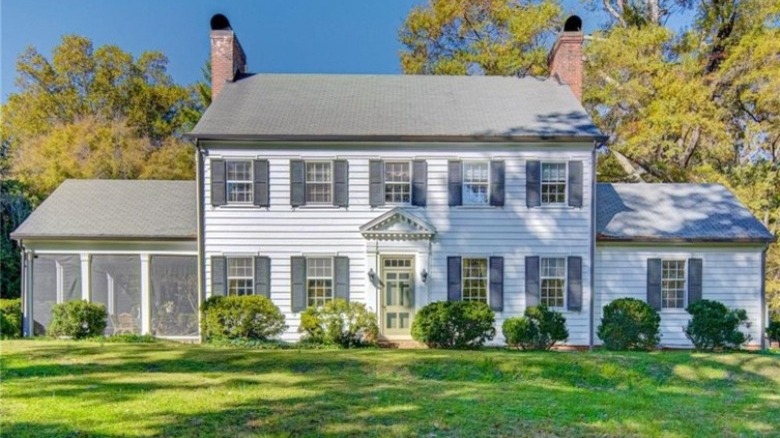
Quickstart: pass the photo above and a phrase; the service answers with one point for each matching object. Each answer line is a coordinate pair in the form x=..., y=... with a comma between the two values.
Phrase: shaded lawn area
x=69, y=388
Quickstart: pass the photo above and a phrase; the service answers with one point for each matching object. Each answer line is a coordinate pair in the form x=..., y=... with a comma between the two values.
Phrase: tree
x=492, y=37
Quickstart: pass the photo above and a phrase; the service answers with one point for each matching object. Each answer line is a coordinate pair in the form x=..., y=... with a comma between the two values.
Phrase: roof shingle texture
x=121, y=209
x=319, y=106
x=674, y=212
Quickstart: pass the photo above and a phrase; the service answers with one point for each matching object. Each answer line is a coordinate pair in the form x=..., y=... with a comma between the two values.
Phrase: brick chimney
x=227, y=57
x=565, y=60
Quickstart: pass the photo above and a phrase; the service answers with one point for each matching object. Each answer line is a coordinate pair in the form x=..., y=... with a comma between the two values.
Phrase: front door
x=397, y=296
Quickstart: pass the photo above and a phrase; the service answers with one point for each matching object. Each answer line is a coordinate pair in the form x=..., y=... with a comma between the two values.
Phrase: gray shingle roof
x=394, y=107
x=118, y=209
x=674, y=212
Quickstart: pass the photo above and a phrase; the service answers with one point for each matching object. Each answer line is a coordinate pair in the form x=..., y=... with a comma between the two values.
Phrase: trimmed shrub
x=78, y=319
x=248, y=316
x=714, y=327
x=10, y=318
x=629, y=324
x=339, y=322
x=539, y=329
x=454, y=324
x=773, y=329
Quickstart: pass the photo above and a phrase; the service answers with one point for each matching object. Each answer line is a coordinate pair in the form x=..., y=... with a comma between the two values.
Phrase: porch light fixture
x=372, y=276
x=424, y=276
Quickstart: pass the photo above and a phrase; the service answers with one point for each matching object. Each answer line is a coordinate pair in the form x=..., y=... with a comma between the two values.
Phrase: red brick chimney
x=565, y=60
x=227, y=57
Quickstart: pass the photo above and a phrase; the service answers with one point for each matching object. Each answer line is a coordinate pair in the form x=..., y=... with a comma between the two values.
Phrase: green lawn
x=68, y=388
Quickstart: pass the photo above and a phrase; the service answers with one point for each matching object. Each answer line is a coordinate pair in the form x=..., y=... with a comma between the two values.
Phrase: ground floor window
x=475, y=279
x=56, y=279
x=553, y=281
x=673, y=284
x=174, y=295
x=241, y=276
x=115, y=281
x=319, y=281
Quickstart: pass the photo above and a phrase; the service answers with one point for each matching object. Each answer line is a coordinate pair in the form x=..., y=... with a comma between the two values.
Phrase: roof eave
x=649, y=239
x=124, y=238
x=401, y=138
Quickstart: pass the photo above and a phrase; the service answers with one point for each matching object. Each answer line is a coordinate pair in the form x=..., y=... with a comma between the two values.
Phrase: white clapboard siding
x=513, y=231
x=731, y=275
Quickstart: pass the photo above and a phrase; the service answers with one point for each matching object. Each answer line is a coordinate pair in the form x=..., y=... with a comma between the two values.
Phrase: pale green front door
x=397, y=296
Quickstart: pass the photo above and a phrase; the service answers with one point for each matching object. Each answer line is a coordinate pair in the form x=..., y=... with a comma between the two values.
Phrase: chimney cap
x=572, y=24
x=220, y=22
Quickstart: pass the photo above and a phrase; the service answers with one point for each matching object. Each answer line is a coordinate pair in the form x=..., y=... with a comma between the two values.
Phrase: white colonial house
x=394, y=191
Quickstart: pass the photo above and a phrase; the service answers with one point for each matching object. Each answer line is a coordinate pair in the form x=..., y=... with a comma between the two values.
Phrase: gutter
x=487, y=138
x=592, y=316
x=199, y=158
x=606, y=238
x=764, y=307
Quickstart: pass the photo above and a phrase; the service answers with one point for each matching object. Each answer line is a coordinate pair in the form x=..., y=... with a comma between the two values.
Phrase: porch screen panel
x=56, y=279
x=174, y=295
x=115, y=281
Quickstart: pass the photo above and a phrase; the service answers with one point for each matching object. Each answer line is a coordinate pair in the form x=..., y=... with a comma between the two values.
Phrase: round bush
x=248, y=316
x=340, y=322
x=629, y=324
x=714, y=327
x=454, y=324
x=539, y=329
x=10, y=318
x=78, y=319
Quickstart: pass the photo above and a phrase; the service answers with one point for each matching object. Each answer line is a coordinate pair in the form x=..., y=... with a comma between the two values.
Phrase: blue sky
x=294, y=36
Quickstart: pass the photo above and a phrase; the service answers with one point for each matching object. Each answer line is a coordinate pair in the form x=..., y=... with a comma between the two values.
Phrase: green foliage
x=250, y=316
x=131, y=338
x=773, y=329
x=454, y=324
x=714, y=327
x=501, y=37
x=10, y=318
x=629, y=324
x=14, y=209
x=78, y=319
x=340, y=322
x=539, y=329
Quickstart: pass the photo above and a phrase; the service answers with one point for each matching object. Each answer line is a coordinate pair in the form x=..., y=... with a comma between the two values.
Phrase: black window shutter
x=419, y=183
x=341, y=277
x=455, y=183
x=298, y=279
x=497, y=283
x=261, y=189
x=533, y=183
x=341, y=183
x=297, y=183
x=218, y=190
x=574, y=284
x=575, y=184
x=218, y=276
x=654, y=267
x=263, y=276
x=453, y=278
x=695, y=280
x=532, y=286
x=497, y=177
x=376, y=183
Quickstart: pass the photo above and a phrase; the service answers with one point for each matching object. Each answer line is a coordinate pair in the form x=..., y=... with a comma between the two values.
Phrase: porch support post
x=27, y=298
x=146, y=302
x=85, y=276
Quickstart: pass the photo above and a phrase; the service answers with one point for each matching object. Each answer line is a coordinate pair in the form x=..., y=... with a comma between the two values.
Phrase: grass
x=70, y=388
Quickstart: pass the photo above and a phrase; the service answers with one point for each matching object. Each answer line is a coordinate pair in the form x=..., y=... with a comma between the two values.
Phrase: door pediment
x=398, y=224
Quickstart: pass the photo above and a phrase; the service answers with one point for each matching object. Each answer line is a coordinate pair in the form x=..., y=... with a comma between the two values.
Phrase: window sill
x=477, y=207
x=239, y=207
x=318, y=207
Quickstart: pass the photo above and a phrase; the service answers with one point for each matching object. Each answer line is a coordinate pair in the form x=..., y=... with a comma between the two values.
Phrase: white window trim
x=565, y=202
x=685, y=284
x=332, y=277
x=241, y=181
x=463, y=183
x=306, y=184
x=411, y=180
x=463, y=277
x=565, y=280
x=228, y=276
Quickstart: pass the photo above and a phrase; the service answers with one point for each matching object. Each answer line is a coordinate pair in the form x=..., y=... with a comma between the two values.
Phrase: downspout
x=592, y=248
x=764, y=307
x=199, y=157
x=23, y=291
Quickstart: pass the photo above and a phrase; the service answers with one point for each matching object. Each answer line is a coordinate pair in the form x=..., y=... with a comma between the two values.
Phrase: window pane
x=673, y=284
x=397, y=172
x=240, y=272
x=115, y=281
x=56, y=278
x=318, y=183
x=476, y=183
x=475, y=280
x=239, y=191
x=239, y=171
x=239, y=181
x=553, y=281
x=174, y=295
x=553, y=183
x=319, y=267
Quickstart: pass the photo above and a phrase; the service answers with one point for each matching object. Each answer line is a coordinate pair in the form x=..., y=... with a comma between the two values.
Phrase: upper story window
x=553, y=281
x=553, y=183
x=476, y=183
x=475, y=279
x=319, y=281
x=239, y=181
x=673, y=284
x=319, y=182
x=398, y=182
x=240, y=276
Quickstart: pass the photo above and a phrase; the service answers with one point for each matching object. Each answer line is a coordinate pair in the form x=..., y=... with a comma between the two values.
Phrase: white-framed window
x=240, y=276
x=475, y=279
x=673, y=284
x=239, y=181
x=553, y=183
x=398, y=182
x=319, y=182
x=476, y=183
x=552, y=281
x=319, y=280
